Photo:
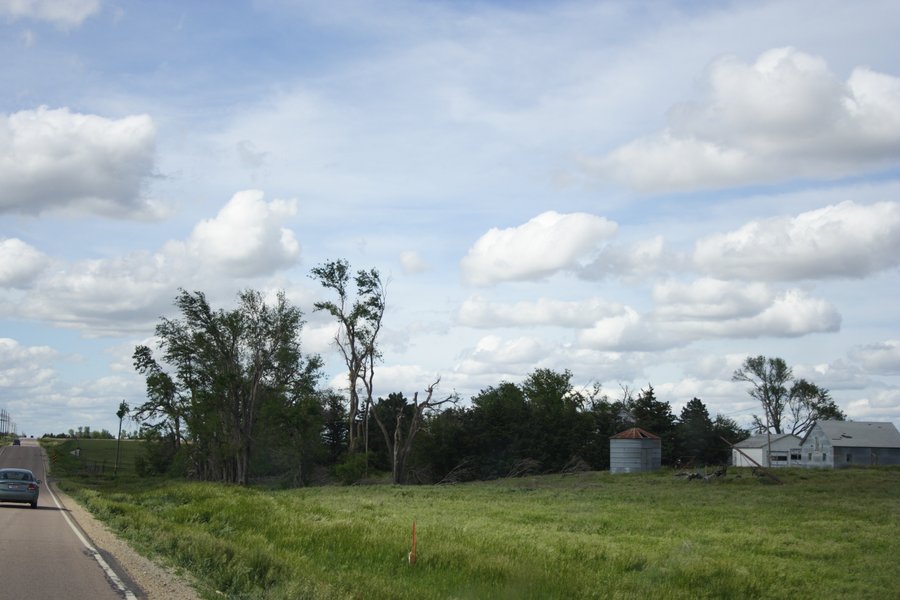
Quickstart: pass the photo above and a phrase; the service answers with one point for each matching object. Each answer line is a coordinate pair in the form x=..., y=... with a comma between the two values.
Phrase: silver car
x=19, y=485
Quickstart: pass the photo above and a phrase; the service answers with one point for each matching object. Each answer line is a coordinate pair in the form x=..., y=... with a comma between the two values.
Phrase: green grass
x=97, y=457
x=824, y=533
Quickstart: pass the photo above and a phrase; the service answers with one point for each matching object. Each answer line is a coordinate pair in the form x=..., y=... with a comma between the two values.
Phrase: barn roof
x=859, y=434
x=760, y=440
x=635, y=433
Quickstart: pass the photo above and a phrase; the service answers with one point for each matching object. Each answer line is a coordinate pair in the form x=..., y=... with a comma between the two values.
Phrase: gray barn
x=850, y=443
x=634, y=450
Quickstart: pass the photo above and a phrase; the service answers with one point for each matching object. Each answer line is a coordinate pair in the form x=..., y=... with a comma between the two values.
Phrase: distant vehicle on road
x=17, y=442
x=19, y=485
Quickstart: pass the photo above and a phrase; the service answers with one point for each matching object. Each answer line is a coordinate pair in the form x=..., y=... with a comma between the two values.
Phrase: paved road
x=41, y=554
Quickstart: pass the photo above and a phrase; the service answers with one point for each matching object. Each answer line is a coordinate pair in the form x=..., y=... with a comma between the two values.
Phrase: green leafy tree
x=724, y=429
x=789, y=405
x=808, y=403
x=334, y=426
x=445, y=445
x=227, y=366
x=654, y=416
x=559, y=428
x=606, y=419
x=694, y=433
x=167, y=404
x=499, y=425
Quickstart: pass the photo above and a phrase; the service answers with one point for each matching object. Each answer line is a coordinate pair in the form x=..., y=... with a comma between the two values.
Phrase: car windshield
x=15, y=476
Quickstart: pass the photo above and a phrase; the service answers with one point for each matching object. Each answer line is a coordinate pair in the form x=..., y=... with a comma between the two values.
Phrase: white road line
x=129, y=595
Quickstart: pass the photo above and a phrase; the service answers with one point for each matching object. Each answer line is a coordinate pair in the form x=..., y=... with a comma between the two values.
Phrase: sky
x=641, y=192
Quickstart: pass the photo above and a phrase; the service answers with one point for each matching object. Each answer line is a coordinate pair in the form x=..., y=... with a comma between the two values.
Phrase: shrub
x=351, y=469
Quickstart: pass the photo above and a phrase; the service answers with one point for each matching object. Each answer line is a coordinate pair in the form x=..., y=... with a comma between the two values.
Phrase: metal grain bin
x=634, y=450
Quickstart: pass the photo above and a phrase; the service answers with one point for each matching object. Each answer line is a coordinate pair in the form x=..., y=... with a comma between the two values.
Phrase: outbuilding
x=783, y=450
x=851, y=443
x=634, y=450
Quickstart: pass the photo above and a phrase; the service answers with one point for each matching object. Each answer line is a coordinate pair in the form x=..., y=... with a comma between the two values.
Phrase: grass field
x=830, y=534
x=97, y=457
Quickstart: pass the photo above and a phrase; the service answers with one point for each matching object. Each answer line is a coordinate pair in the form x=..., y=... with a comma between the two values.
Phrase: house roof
x=859, y=434
x=760, y=440
x=635, y=433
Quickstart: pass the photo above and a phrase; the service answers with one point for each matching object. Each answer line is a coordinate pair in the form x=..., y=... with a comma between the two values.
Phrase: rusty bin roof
x=635, y=433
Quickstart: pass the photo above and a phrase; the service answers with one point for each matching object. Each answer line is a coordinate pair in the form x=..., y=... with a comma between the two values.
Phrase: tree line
x=231, y=397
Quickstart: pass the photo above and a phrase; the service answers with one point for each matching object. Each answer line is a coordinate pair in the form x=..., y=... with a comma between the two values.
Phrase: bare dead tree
x=400, y=444
x=360, y=322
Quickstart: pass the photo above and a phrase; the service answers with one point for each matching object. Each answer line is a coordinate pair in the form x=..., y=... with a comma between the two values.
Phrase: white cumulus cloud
x=54, y=159
x=247, y=237
x=20, y=263
x=881, y=358
x=548, y=243
x=631, y=261
x=498, y=356
x=477, y=311
x=707, y=309
x=710, y=300
x=786, y=116
x=880, y=405
x=24, y=366
x=843, y=240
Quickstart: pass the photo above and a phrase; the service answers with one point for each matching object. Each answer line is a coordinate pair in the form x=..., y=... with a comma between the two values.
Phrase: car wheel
x=34, y=504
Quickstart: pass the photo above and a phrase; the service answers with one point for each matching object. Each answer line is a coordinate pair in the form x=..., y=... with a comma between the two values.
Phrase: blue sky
x=641, y=192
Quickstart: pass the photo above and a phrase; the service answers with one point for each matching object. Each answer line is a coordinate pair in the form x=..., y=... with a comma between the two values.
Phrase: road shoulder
x=156, y=582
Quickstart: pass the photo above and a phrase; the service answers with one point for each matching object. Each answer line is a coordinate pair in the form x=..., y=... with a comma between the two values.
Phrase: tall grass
x=823, y=533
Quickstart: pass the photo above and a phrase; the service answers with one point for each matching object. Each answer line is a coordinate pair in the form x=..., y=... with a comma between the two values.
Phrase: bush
x=351, y=469
x=160, y=457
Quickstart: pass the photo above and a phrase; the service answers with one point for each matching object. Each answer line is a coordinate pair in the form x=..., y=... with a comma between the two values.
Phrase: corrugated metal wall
x=634, y=456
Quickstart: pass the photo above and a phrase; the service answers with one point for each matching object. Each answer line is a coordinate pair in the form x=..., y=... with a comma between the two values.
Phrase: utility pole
x=123, y=410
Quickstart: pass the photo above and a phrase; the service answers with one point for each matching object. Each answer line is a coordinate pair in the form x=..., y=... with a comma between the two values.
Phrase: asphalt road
x=42, y=552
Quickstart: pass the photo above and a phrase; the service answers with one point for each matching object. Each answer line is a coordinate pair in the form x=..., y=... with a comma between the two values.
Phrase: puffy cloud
x=19, y=263
x=627, y=331
x=495, y=355
x=53, y=159
x=630, y=261
x=837, y=375
x=412, y=262
x=710, y=299
x=783, y=117
x=24, y=367
x=548, y=243
x=103, y=297
x=881, y=405
x=792, y=313
x=64, y=13
x=749, y=313
x=521, y=350
x=714, y=366
x=478, y=312
x=843, y=240
x=319, y=338
x=882, y=358
x=246, y=238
